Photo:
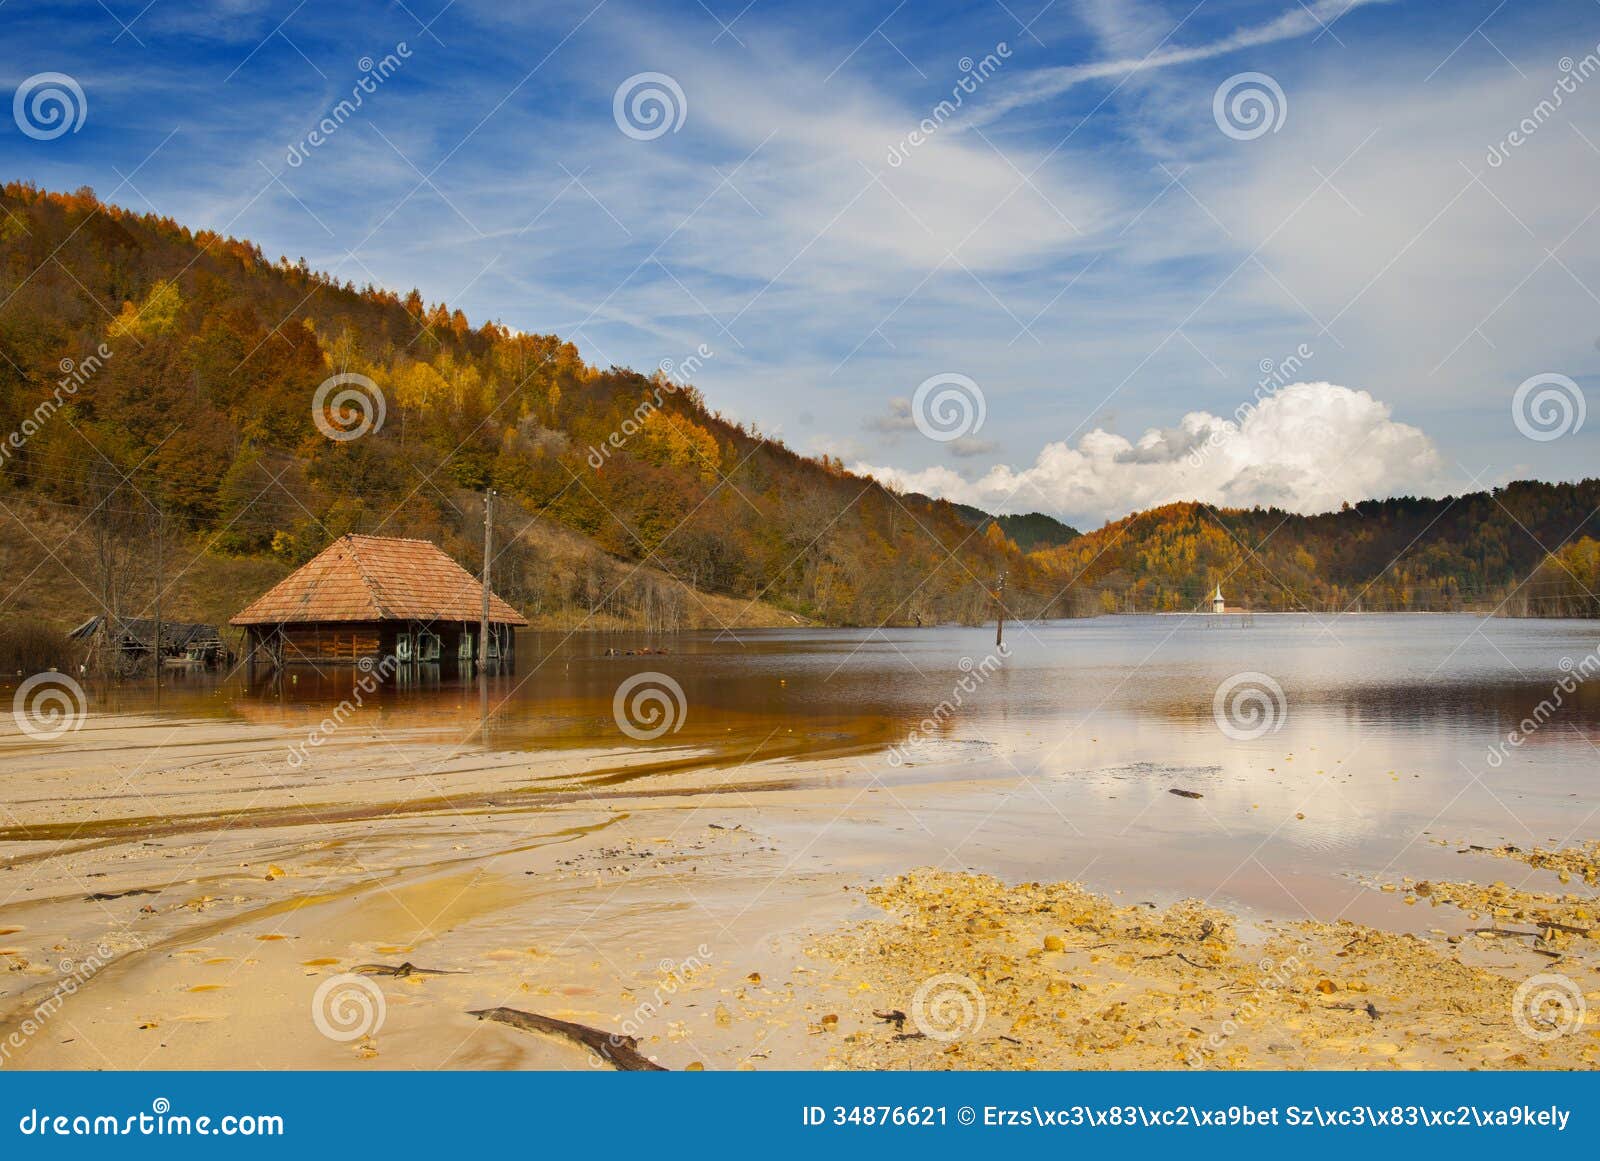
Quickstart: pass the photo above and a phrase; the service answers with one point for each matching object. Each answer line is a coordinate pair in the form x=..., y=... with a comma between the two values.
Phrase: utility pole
x=1000, y=611
x=161, y=543
x=488, y=549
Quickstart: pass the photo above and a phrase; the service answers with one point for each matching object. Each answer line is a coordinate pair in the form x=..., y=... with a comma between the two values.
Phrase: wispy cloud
x=1043, y=84
x=1139, y=271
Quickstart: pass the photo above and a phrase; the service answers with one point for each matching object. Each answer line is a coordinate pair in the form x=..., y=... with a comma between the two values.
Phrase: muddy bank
x=969, y=972
x=174, y=894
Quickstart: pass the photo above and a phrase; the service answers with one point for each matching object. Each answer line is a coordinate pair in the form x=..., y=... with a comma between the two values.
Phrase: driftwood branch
x=1192, y=963
x=1368, y=1008
x=622, y=1051
x=1543, y=933
x=401, y=971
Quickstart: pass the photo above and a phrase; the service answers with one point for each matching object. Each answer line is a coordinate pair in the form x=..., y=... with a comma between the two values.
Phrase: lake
x=1340, y=749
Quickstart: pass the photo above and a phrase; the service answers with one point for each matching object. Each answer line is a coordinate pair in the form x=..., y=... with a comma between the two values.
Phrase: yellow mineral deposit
x=1132, y=987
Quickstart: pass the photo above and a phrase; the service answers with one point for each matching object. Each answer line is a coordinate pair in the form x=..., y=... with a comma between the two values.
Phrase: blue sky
x=1087, y=239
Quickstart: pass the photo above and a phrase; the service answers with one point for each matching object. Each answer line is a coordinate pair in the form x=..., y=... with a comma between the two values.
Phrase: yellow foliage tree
x=159, y=313
x=672, y=440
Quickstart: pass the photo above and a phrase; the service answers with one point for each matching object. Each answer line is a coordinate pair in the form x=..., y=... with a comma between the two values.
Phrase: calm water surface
x=1384, y=751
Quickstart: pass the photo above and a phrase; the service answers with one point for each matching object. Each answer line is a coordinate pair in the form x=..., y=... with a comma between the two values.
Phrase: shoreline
x=721, y=910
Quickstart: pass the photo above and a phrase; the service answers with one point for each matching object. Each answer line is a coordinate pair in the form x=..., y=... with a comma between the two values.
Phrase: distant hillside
x=160, y=383
x=1486, y=550
x=1566, y=584
x=1029, y=532
x=160, y=373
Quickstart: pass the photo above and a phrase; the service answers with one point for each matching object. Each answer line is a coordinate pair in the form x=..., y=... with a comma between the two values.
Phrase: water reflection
x=1060, y=762
x=1450, y=676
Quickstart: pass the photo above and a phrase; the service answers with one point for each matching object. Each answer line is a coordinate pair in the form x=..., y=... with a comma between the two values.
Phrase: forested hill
x=1029, y=531
x=160, y=382
x=154, y=369
x=1485, y=550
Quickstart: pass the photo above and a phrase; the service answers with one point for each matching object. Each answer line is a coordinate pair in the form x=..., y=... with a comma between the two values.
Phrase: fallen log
x=622, y=1051
x=401, y=971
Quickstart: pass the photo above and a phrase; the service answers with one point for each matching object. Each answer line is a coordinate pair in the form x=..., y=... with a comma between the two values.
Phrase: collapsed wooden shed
x=126, y=643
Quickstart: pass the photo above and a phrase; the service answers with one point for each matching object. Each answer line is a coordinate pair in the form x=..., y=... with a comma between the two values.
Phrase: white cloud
x=1045, y=83
x=830, y=282
x=1307, y=448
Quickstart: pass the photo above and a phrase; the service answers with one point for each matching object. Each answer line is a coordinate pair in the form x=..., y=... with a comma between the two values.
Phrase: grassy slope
x=51, y=580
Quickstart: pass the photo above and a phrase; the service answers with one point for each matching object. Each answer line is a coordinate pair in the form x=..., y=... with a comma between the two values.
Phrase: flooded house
x=366, y=598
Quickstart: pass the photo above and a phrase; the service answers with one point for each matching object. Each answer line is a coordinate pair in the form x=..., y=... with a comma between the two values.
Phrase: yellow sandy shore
x=176, y=895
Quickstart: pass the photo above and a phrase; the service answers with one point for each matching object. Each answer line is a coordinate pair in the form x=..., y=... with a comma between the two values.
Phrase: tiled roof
x=377, y=578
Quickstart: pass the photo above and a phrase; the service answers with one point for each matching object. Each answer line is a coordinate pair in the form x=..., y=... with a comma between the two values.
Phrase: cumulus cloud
x=1307, y=448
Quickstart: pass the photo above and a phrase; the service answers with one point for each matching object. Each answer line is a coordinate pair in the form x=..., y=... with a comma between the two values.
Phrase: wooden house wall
x=332, y=643
x=345, y=643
